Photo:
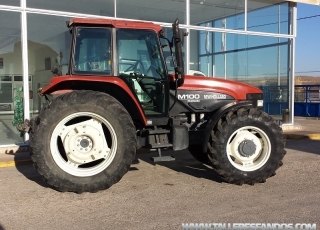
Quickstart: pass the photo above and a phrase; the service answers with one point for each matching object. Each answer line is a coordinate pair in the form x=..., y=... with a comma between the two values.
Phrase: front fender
x=218, y=114
x=64, y=84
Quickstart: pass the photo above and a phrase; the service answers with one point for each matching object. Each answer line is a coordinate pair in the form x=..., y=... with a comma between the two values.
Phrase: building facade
x=251, y=41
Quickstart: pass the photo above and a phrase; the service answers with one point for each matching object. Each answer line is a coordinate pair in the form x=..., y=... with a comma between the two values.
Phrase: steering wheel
x=135, y=67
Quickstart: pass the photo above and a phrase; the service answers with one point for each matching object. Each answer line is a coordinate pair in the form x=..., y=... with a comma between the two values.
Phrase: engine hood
x=235, y=89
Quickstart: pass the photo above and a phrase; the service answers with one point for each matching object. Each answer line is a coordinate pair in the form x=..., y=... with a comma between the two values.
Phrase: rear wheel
x=246, y=146
x=83, y=141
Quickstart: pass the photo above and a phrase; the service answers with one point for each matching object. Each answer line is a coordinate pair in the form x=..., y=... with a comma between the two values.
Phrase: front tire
x=84, y=141
x=246, y=147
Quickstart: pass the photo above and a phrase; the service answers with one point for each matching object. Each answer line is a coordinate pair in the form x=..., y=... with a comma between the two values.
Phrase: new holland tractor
x=119, y=96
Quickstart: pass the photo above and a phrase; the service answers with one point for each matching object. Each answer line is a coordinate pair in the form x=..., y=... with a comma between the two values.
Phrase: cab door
x=141, y=66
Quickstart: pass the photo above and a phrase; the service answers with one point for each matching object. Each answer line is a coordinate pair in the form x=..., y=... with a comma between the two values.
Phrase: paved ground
x=164, y=196
x=303, y=128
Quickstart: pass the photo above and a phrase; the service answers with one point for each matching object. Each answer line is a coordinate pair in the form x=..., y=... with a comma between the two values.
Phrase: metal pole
x=187, y=49
x=293, y=55
x=24, y=42
x=279, y=18
x=224, y=42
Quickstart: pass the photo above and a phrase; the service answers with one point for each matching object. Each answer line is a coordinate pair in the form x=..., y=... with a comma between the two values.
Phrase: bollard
x=285, y=116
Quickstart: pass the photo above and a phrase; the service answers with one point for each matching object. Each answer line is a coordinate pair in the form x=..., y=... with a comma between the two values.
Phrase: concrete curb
x=313, y=136
x=6, y=164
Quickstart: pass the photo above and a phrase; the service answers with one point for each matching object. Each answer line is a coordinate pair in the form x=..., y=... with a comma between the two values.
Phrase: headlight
x=259, y=103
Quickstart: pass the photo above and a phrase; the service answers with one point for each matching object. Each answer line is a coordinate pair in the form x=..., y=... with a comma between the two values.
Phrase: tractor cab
x=130, y=51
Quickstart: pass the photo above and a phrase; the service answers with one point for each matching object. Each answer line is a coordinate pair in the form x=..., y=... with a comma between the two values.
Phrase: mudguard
x=218, y=114
x=64, y=84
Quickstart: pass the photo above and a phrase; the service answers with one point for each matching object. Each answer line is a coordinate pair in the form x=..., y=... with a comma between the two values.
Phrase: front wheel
x=246, y=146
x=83, y=141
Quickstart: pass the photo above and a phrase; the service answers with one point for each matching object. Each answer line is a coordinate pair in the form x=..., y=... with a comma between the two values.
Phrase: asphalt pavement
x=165, y=195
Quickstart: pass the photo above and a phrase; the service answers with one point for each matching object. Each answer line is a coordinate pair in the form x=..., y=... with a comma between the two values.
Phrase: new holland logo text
x=215, y=96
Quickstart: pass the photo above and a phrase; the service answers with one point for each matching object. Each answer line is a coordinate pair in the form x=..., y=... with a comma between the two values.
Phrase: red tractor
x=119, y=96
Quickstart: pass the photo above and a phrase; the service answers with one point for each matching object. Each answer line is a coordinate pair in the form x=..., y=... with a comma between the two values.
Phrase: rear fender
x=218, y=114
x=113, y=86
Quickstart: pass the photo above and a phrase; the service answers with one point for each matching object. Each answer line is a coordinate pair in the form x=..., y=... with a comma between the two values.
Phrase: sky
x=308, y=41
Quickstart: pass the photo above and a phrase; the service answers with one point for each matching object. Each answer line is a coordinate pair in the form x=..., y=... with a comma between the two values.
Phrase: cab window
x=92, y=51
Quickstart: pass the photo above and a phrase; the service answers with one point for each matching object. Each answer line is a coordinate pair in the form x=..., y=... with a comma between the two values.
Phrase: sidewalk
x=11, y=156
x=303, y=128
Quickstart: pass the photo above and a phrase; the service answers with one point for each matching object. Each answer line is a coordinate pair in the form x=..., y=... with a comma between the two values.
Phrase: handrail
x=306, y=99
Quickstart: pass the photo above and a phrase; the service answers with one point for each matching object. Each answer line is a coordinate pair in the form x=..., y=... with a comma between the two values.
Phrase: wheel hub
x=247, y=148
x=84, y=143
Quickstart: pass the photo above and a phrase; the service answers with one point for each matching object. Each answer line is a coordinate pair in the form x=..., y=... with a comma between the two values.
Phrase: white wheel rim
x=259, y=154
x=83, y=143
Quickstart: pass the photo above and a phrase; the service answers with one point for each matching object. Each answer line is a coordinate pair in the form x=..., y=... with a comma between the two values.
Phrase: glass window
x=255, y=60
x=152, y=10
x=139, y=53
x=49, y=42
x=96, y=7
x=269, y=17
x=141, y=66
x=93, y=51
x=10, y=64
x=251, y=59
x=10, y=2
x=6, y=93
x=227, y=15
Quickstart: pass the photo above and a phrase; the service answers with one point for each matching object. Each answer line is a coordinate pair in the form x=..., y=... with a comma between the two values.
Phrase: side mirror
x=177, y=42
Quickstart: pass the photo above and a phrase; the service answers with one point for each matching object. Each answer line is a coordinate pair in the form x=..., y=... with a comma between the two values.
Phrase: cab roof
x=114, y=23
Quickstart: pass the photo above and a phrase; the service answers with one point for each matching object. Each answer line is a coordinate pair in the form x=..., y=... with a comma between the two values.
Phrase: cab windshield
x=139, y=54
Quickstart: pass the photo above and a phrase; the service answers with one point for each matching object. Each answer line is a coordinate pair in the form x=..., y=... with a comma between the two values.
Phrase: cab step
x=159, y=142
x=160, y=145
x=162, y=158
x=158, y=131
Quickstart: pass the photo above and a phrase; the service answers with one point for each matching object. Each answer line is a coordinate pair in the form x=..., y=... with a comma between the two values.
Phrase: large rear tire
x=246, y=147
x=84, y=141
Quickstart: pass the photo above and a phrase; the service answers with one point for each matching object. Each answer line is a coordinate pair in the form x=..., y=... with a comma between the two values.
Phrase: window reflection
x=97, y=7
x=93, y=51
x=10, y=71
